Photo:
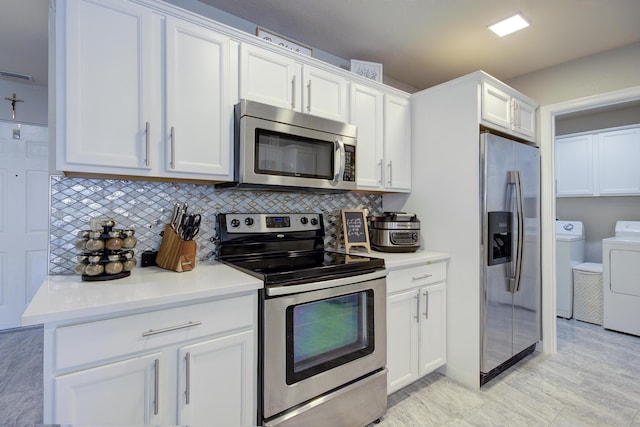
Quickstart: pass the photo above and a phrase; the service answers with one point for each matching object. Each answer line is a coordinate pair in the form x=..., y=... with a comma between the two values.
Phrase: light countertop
x=397, y=260
x=67, y=298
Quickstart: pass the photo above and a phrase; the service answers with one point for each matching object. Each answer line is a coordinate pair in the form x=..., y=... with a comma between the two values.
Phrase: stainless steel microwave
x=282, y=149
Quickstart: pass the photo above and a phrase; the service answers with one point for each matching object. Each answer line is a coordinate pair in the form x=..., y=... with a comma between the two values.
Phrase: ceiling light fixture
x=509, y=25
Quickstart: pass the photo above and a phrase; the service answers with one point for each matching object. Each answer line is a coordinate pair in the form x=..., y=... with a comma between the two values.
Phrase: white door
x=367, y=114
x=402, y=339
x=24, y=217
x=397, y=143
x=432, y=328
x=121, y=393
x=199, y=113
x=324, y=94
x=216, y=382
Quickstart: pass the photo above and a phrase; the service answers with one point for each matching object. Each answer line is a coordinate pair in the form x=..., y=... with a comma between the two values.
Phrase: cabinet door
x=496, y=106
x=199, y=110
x=619, y=157
x=397, y=144
x=367, y=114
x=217, y=382
x=106, y=91
x=121, y=393
x=432, y=328
x=402, y=339
x=270, y=78
x=524, y=120
x=574, y=166
x=324, y=94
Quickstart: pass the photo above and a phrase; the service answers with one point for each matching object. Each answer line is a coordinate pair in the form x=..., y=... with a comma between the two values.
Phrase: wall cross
x=13, y=101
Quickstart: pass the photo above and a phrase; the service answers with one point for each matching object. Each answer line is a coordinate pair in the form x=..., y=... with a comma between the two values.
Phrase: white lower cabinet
x=416, y=327
x=194, y=365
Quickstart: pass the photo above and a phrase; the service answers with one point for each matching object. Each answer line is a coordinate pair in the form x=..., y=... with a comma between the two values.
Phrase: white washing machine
x=569, y=253
x=621, y=278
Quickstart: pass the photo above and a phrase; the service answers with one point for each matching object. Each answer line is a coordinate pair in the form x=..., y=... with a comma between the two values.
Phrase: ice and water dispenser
x=499, y=237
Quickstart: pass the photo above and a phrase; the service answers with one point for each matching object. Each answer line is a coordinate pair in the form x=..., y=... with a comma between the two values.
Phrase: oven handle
x=274, y=291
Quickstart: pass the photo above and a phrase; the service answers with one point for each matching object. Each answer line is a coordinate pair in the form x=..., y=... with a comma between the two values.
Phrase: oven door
x=318, y=341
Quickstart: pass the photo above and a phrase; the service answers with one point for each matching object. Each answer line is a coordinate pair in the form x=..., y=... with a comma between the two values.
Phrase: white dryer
x=621, y=278
x=569, y=253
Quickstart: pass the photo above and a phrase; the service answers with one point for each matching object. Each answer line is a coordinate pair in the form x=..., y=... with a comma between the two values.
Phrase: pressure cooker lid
x=395, y=217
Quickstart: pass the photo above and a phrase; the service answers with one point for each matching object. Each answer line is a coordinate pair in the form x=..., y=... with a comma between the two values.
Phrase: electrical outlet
x=96, y=223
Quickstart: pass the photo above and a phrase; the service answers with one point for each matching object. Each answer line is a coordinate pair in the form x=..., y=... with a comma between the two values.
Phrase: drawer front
x=415, y=277
x=91, y=342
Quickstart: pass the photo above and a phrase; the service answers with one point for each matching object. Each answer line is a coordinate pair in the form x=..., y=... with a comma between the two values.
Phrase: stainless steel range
x=322, y=318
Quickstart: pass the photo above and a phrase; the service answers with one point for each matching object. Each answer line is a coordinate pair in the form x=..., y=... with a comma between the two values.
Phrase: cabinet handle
x=156, y=387
x=293, y=93
x=426, y=304
x=147, y=147
x=380, y=164
x=424, y=276
x=417, y=316
x=173, y=147
x=171, y=328
x=390, y=166
x=309, y=96
x=187, y=392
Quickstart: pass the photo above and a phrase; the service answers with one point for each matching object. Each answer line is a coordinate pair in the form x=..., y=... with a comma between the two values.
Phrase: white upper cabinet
x=574, y=166
x=601, y=163
x=397, y=143
x=199, y=106
x=366, y=113
x=107, y=86
x=113, y=90
x=505, y=108
x=276, y=79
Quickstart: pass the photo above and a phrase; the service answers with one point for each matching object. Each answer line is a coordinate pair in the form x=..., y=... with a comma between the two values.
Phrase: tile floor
x=593, y=380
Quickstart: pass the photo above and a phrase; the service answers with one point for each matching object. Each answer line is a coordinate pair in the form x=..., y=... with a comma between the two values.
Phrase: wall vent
x=23, y=77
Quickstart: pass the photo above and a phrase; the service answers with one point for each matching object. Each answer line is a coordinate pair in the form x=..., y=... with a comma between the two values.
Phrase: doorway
x=548, y=116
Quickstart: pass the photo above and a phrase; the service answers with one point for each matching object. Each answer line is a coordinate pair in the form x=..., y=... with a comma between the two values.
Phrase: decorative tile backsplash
x=147, y=206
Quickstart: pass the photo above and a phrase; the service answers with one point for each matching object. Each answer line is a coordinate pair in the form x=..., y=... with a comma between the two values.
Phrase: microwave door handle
x=339, y=159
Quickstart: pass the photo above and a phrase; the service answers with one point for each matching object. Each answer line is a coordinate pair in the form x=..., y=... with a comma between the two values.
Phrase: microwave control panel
x=349, y=163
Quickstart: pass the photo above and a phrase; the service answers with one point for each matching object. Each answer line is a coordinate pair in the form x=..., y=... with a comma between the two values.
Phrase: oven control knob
x=314, y=221
x=304, y=220
x=235, y=223
x=248, y=222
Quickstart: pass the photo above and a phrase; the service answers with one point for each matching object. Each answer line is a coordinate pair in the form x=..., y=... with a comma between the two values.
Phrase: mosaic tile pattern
x=147, y=206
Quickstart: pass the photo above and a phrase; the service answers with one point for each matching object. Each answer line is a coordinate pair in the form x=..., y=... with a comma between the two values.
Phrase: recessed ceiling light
x=509, y=25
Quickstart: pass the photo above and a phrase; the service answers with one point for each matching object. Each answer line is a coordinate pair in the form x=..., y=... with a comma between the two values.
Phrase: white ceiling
x=419, y=42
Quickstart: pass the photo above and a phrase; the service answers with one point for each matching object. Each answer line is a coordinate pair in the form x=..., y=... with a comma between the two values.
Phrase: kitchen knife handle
x=156, y=386
x=147, y=142
x=173, y=147
x=187, y=392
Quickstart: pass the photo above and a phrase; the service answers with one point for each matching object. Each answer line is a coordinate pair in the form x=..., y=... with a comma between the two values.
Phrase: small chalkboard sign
x=354, y=228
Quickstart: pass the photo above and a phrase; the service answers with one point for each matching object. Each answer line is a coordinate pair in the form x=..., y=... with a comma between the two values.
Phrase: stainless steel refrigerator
x=510, y=250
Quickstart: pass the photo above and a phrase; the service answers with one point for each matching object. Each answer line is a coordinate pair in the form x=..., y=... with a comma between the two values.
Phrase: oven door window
x=291, y=155
x=328, y=333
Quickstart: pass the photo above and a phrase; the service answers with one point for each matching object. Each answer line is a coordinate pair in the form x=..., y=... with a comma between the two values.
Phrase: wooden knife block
x=176, y=254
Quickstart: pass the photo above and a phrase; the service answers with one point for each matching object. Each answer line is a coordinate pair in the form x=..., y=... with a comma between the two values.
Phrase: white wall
x=604, y=72
x=34, y=108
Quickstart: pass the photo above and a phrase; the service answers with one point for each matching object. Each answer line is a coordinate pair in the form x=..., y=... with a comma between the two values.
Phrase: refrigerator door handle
x=516, y=180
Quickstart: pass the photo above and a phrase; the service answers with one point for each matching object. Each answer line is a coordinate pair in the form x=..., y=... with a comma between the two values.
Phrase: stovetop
x=285, y=249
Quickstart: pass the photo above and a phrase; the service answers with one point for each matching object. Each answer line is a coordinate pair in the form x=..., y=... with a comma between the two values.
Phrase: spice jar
x=114, y=242
x=113, y=267
x=94, y=245
x=94, y=269
x=80, y=268
x=129, y=264
x=80, y=244
x=129, y=241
